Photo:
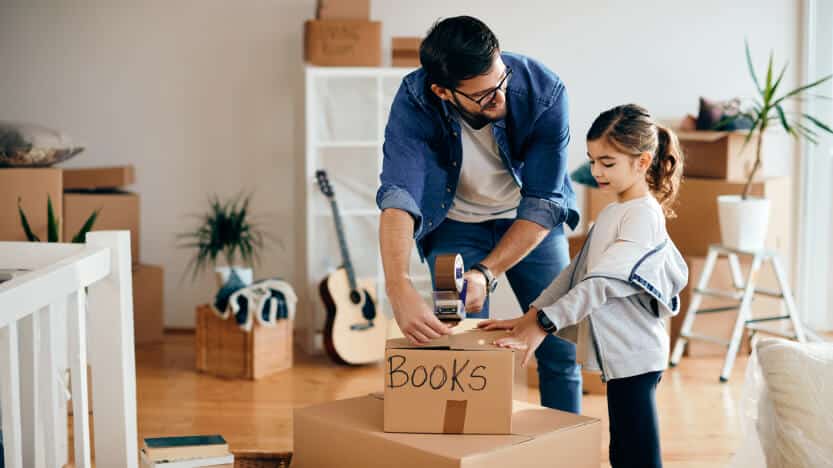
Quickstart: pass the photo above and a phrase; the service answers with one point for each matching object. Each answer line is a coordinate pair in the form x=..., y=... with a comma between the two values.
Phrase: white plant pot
x=222, y=274
x=743, y=223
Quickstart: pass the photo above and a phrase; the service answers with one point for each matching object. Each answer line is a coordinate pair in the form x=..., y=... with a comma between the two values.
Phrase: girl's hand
x=524, y=333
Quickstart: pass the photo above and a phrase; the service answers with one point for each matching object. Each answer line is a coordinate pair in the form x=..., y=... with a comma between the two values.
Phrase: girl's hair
x=630, y=129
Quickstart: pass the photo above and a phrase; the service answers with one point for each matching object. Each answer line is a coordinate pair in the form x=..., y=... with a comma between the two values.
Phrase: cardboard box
x=595, y=201
x=343, y=43
x=33, y=187
x=697, y=225
x=148, y=304
x=591, y=382
x=718, y=155
x=99, y=178
x=576, y=242
x=118, y=211
x=343, y=9
x=720, y=324
x=722, y=155
x=353, y=431
x=459, y=384
x=405, y=51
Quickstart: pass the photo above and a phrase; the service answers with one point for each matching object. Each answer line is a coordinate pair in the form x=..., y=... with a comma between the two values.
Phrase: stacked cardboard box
x=343, y=35
x=716, y=164
x=104, y=189
x=405, y=51
x=448, y=404
x=591, y=382
x=75, y=194
x=32, y=187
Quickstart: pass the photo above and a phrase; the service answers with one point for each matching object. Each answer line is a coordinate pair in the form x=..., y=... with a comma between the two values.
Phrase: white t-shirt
x=640, y=220
x=486, y=190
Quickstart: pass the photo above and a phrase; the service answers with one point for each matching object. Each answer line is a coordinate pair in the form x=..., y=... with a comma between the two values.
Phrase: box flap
x=700, y=135
x=93, y=178
x=464, y=340
x=406, y=43
x=365, y=414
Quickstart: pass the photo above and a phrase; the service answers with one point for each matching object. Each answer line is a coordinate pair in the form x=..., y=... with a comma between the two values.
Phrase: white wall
x=206, y=96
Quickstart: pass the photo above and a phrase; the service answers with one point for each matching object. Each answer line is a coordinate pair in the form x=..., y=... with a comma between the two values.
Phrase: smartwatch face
x=545, y=321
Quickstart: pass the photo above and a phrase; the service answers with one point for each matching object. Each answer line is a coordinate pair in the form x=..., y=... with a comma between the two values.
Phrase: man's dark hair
x=457, y=49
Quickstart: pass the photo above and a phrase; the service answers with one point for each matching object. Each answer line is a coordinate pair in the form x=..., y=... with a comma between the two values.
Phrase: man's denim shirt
x=423, y=152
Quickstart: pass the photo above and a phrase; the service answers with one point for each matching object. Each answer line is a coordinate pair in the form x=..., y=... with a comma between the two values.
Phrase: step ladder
x=744, y=293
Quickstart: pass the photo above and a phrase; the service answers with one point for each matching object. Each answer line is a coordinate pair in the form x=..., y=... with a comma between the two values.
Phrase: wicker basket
x=262, y=460
x=224, y=350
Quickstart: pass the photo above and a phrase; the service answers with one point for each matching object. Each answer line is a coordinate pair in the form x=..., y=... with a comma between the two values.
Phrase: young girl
x=623, y=283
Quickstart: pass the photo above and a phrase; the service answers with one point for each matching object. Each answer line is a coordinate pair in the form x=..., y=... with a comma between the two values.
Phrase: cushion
x=583, y=175
x=221, y=300
x=28, y=145
x=712, y=115
x=799, y=383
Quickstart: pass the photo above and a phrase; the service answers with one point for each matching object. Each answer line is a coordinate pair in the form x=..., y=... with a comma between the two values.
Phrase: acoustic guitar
x=355, y=331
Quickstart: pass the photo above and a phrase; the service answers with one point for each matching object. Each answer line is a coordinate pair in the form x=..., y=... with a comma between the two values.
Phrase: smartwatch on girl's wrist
x=545, y=323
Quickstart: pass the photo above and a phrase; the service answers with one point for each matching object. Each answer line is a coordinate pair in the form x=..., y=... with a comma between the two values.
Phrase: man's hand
x=475, y=290
x=524, y=333
x=414, y=317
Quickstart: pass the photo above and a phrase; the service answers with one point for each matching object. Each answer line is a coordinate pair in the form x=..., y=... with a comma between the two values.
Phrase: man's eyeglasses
x=486, y=99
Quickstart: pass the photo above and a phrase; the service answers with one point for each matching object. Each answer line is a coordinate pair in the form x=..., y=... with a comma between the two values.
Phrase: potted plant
x=744, y=219
x=227, y=231
x=53, y=224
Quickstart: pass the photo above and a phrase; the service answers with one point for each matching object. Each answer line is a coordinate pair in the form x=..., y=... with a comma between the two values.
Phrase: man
x=475, y=160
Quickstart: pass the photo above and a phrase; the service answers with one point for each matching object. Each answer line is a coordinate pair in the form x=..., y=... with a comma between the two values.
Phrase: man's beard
x=475, y=121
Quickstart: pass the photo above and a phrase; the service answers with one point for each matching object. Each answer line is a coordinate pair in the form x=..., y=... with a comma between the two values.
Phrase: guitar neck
x=342, y=244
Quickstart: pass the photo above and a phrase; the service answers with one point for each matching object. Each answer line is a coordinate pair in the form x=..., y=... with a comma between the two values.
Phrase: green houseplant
x=228, y=232
x=53, y=224
x=744, y=219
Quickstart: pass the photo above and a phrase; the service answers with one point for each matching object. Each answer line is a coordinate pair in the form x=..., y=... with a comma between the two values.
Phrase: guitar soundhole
x=355, y=297
x=369, y=308
x=368, y=311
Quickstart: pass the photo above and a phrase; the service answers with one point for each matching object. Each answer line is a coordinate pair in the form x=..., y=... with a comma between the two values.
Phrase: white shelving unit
x=346, y=113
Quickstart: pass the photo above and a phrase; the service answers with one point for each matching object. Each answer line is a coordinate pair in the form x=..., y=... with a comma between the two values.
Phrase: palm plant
x=767, y=108
x=53, y=224
x=226, y=230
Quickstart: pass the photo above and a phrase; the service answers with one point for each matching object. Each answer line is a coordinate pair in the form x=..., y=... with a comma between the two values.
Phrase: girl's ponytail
x=666, y=171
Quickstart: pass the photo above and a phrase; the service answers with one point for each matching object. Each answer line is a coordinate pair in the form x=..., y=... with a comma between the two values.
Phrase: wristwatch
x=545, y=323
x=491, y=281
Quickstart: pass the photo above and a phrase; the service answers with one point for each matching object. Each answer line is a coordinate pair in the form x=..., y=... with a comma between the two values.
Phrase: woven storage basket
x=224, y=350
x=262, y=459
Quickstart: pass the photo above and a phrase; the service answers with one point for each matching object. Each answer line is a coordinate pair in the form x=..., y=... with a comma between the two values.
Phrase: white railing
x=71, y=305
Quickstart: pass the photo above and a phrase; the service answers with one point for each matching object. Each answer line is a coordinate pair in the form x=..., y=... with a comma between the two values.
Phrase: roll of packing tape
x=448, y=272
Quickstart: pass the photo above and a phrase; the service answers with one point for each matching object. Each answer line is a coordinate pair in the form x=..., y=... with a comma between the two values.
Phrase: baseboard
x=180, y=330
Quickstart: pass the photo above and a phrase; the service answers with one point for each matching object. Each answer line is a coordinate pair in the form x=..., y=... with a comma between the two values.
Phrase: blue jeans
x=559, y=375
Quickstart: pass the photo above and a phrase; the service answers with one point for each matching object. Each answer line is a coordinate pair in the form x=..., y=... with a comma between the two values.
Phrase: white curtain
x=815, y=229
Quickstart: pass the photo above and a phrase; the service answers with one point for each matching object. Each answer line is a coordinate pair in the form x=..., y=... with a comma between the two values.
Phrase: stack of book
x=186, y=452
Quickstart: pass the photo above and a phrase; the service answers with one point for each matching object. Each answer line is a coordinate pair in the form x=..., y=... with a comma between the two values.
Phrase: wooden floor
x=697, y=413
